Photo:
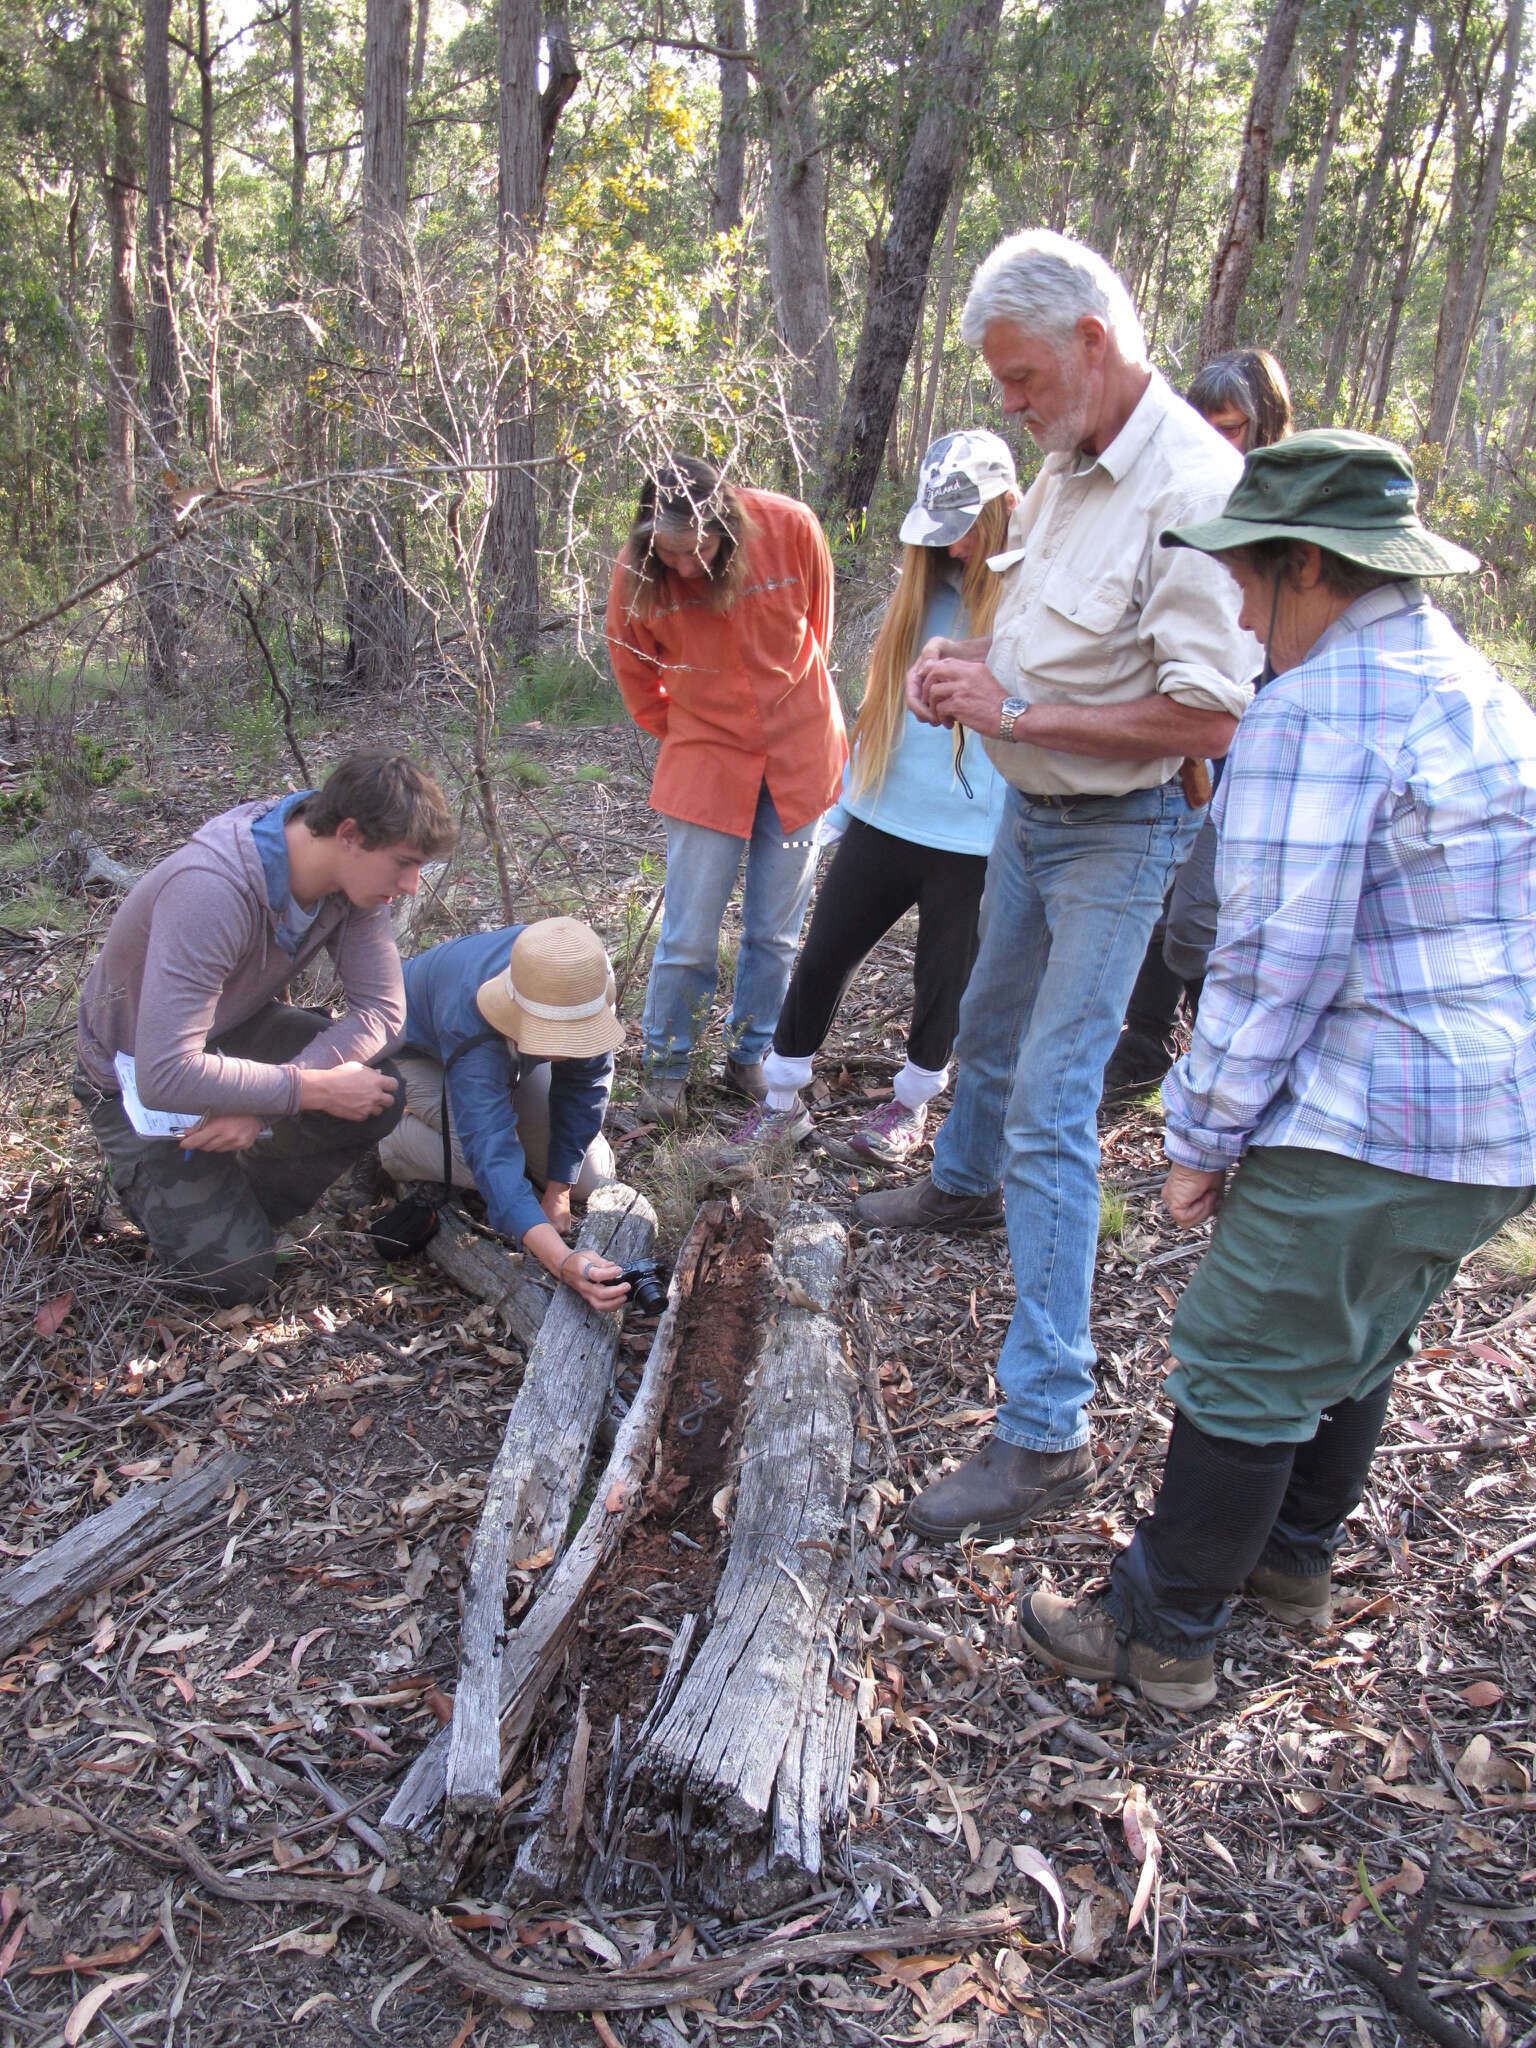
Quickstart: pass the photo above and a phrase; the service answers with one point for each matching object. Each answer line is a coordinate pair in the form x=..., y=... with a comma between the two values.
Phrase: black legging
x=874, y=879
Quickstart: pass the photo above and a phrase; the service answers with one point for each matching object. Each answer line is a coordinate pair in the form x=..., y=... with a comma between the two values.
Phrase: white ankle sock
x=782, y=1099
x=785, y=1078
x=915, y=1086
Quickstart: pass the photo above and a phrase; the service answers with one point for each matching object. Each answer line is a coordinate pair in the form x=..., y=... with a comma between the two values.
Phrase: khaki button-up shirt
x=1095, y=611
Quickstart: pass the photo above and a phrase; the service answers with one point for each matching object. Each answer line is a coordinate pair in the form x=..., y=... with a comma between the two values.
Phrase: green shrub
x=559, y=689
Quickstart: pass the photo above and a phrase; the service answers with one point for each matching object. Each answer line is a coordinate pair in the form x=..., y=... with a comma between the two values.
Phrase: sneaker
x=754, y=1134
x=1300, y=1601
x=891, y=1135
x=922, y=1206
x=744, y=1078
x=663, y=1100
x=1083, y=1638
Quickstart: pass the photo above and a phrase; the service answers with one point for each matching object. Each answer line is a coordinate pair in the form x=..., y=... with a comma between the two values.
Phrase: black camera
x=647, y=1283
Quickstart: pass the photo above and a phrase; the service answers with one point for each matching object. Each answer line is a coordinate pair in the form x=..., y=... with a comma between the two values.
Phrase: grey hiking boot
x=1083, y=1638
x=744, y=1078
x=999, y=1490
x=663, y=1100
x=891, y=1135
x=1299, y=1600
x=922, y=1206
x=758, y=1132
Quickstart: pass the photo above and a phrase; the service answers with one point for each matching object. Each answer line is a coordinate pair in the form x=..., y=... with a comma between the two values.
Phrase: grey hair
x=1046, y=283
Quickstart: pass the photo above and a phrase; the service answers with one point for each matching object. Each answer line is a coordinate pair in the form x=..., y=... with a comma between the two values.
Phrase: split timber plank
x=107, y=1546
x=725, y=1736
x=428, y=1850
x=487, y=1269
x=533, y=1483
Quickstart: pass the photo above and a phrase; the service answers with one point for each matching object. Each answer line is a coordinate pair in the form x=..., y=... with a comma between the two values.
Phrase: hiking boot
x=999, y=1490
x=741, y=1078
x=1084, y=1638
x=891, y=1135
x=1138, y=1063
x=754, y=1134
x=1300, y=1600
x=663, y=1100
x=922, y=1206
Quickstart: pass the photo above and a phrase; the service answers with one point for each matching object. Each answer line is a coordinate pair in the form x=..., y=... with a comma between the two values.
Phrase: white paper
x=149, y=1123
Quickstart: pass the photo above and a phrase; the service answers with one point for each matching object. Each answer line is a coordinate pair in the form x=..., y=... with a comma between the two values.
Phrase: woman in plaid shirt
x=1364, y=1056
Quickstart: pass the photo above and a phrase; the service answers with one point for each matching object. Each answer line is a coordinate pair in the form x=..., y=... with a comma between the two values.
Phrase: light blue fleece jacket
x=921, y=797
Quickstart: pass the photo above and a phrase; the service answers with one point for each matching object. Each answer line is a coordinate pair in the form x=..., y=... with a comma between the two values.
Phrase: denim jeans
x=701, y=872
x=1073, y=891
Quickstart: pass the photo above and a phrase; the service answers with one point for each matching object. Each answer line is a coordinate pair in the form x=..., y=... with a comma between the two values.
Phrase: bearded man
x=1111, y=662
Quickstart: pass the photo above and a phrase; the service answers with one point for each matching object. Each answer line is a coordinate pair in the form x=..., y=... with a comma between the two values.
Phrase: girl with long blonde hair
x=917, y=815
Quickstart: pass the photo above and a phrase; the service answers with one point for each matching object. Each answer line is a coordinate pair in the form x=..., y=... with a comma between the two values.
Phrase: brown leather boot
x=999, y=1490
x=1298, y=1601
x=1081, y=1637
x=922, y=1206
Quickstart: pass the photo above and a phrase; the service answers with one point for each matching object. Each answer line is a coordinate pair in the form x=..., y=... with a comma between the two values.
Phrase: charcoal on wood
x=107, y=1546
x=532, y=1486
x=751, y=1705
x=426, y=1846
x=486, y=1268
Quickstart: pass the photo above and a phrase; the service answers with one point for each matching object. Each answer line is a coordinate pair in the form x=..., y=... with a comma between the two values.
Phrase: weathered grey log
x=107, y=1546
x=492, y=1273
x=407, y=913
x=533, y=1484
x=841, y=1727
x=93, y=866
x=426, y=1849
x=725, y=1736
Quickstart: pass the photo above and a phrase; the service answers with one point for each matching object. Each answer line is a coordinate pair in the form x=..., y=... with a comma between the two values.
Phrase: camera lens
x=647, y=1292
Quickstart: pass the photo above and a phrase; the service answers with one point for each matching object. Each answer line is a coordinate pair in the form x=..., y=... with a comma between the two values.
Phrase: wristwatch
x=1013, y=710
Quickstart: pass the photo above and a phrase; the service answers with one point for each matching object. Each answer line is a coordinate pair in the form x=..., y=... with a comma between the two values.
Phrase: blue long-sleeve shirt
x=441, y=1015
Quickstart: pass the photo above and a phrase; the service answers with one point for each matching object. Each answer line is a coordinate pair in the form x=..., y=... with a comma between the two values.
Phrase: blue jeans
x=1073, y=891
x=701, y=872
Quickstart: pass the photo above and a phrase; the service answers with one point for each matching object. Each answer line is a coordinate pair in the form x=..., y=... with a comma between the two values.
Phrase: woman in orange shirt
x=719, y=623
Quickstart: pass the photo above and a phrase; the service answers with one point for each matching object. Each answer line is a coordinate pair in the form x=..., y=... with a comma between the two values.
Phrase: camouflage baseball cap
x=1350, y=493
x=960, y=473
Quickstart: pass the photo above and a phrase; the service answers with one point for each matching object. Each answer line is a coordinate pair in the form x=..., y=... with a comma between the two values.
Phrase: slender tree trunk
x=120, y=180
x=922, y=423
x=300, y=121
x=950, y=86
x=1121, y=134
x=731, y=150
x=511, y=567
x=1312, y=207
x=419, y=53
x=1368, y=230
x=562, y=76
x=1408, y=240
x=1245, y=219
x=162, y=355
x=378, y=654
x=797, y=212
x=1462, y=309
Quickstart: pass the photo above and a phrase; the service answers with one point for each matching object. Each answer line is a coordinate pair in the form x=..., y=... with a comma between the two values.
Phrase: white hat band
x=556, y=1013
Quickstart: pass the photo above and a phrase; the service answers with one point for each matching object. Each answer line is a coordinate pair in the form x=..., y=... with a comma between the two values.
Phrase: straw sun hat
x=555, y=998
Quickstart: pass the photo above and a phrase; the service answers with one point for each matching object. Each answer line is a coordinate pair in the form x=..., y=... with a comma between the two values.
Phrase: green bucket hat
x=1350, y=493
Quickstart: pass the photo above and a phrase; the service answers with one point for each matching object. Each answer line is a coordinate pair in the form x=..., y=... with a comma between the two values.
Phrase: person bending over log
x=224, y=1111
x=512, y=1034
x=916, y=818
x=1245, y=397
x=1364, y=1056
x=1108, y=664
x=719, y=626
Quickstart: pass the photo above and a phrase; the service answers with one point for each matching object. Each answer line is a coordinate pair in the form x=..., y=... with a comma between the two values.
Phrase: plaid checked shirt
x=1372, y=989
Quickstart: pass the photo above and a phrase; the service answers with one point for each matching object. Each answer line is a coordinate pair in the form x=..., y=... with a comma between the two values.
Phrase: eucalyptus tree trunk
x=1244, y=231
x=1122, y=132
x=950, y=85
x=1368, y=229
x=378, y=624
x=944, y=291
x=1462, y=307
x=162, y=357
x=1312, y=206
x=797, y=212
x=731, y=149
x=120, y=178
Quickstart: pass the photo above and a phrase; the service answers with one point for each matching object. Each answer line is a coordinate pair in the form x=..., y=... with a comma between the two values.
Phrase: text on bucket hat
x=555, y=999
x=1353, y=494
x=958, y=475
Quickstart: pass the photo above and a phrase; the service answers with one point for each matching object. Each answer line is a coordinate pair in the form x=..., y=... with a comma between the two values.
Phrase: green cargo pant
x=213, y=1217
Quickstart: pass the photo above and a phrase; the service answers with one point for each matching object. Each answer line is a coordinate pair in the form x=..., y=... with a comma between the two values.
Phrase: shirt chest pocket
x=1087, y=629
x=1092, y=607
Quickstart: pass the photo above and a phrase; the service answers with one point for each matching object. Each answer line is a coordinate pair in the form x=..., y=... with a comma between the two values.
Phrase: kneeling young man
x=183, y=1013
x=514, y=1032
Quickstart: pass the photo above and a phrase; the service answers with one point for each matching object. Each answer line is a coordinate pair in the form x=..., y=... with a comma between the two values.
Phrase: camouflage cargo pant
x=213, y=1217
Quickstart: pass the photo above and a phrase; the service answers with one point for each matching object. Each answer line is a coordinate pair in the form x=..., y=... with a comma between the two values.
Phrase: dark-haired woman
x=719, y=622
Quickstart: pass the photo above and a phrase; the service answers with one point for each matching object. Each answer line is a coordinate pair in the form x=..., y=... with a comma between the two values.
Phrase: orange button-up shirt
x=740, y=696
